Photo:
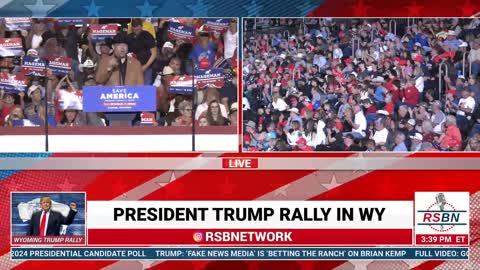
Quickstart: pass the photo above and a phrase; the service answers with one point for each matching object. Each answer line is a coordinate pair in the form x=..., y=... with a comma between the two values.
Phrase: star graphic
x=146, y=264
x=333, y=183
x=467, y=9
x=199, y=8
x=306, y=7
x=253, y=10
x=414, y=10
x=172, y=178
x=66, y=185
x=360, y=9
x=281, y=191
x=39, y=9
x=92, y=9
x=146, y=10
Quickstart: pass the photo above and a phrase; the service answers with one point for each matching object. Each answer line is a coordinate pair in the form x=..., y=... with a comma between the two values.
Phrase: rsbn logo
x=441, y=215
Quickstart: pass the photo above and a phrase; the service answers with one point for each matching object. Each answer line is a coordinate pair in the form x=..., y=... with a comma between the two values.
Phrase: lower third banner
x=239, y=253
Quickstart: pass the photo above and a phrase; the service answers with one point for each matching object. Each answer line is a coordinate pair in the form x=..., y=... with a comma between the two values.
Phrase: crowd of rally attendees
x=361, y=85
x=153, y=59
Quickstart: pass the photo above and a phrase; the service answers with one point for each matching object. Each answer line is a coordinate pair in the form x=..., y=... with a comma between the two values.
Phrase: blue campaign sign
x=217, y=25
x=17, y=23
x=34, y=66
x=119, y=98
x=181, y=85
x=180, y=31
x=70, y=21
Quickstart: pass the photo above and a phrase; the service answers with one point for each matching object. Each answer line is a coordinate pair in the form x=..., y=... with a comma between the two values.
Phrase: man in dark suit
x=48, y=222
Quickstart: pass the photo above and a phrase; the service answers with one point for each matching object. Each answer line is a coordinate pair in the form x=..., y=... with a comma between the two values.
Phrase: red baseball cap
x=301, y=141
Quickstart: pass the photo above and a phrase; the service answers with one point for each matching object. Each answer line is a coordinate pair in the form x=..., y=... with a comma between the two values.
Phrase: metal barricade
x=394, y=28
x=354, y=49
x=440, y=79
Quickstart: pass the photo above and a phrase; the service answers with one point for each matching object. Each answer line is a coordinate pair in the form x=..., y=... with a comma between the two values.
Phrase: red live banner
x=240, y=163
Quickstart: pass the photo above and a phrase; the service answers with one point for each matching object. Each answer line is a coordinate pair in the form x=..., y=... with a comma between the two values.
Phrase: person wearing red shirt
x=393, y=87
x=7, y=104
x=451, y=139
x=410, y=94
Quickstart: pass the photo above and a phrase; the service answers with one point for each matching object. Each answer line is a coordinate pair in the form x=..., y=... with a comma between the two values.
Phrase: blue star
x=146, y=10
x=39, y=9
x=253, y=10
x=92, y=9
x=199, y=9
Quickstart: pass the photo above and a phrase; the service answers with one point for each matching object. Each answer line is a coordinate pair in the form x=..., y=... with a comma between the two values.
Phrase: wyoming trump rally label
x=442, y=218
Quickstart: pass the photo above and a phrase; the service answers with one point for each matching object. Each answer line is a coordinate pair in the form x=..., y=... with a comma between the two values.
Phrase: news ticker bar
x=209, y=163
x=239, y=253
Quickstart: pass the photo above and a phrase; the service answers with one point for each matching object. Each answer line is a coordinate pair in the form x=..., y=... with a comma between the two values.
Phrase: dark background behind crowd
x=140, y=54
x=361, y=84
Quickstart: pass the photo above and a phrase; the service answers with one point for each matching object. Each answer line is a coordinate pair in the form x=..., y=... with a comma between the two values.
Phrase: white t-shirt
x=468, y=102
x=380, y=136
x=420, y=84
x=231, y=43
x=280, y=105
x=36, y=40
x=362, y=122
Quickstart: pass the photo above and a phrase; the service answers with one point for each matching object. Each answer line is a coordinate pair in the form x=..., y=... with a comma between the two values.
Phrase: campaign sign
x=209, y=77
x=34, y=66
x=102, y=31
x=217, y=25
x=181, y=85
x=119, y=98
x=70, y=100
x=180, y=31
x=60, y=66
x=147, y=119
x=68, y=22
x=11, y=47
x=17, y=24
x=13, y=83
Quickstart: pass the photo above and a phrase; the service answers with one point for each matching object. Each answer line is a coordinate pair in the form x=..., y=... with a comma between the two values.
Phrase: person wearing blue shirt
x=203, y=53
x=452, y=42
x=419, y=38
x=400, y=143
